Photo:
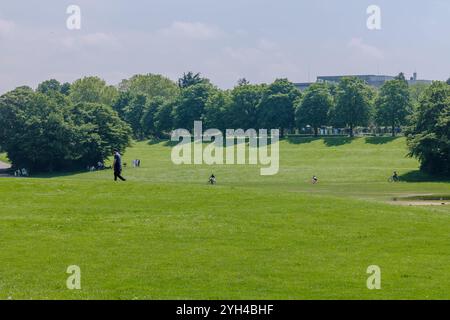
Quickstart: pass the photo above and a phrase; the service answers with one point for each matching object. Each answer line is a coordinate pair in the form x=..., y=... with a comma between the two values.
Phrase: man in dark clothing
x=117, y=166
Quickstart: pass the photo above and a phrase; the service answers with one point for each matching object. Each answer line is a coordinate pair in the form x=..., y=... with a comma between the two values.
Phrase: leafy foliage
x=429, y=136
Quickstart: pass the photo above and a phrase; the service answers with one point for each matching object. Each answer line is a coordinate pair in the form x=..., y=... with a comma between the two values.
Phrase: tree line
x=71, y=125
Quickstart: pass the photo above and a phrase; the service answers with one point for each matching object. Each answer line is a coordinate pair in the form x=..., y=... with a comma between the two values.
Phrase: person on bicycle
x=212, y=179
x=314, y=180
x=395, y=177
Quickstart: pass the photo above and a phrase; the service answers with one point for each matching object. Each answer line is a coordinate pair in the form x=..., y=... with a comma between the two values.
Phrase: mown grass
x=165, y=234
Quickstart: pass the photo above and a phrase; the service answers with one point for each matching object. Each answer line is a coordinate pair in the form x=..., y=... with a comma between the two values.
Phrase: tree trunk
x=316, y=131
x=351, y=130
x=393, y=130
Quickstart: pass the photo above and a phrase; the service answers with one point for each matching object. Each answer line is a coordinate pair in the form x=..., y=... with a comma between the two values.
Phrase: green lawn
x=165, y=234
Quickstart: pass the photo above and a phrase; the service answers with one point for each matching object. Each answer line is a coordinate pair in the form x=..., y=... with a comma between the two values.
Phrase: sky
x=258, y=40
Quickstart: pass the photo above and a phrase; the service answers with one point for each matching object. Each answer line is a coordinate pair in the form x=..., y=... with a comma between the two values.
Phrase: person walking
x=117, y=165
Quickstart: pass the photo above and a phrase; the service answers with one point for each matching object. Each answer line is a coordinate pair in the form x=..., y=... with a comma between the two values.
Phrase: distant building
x=372, y=80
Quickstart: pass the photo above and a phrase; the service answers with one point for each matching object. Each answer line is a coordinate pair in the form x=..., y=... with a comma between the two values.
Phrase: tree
x=276, y=109
x=100, y=130
x=415, y=92
x=49, y=85
x=133, y=114
x=314, y=107
x=393, y=104
x=148, y=118
x=191, y=79
x=429, y=136
x=353, y=103
x=163, y=118
x=93, y=90
x=448, y=81
x=242, y=112
x=191, y=105
x=65, y=88
x=41, y=134
x=215, y=111
x=149, y=85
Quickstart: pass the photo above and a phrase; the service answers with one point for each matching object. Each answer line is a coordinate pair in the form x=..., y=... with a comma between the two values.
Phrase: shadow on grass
x=420, y=176
x=302, y=140
x=380, y=140
x=62, y=174
x=328, y=141
x=337, y=141
x=154, y=141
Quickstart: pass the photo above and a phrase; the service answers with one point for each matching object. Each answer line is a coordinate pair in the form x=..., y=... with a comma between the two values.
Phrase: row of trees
x=349, y=104
x=60, y=126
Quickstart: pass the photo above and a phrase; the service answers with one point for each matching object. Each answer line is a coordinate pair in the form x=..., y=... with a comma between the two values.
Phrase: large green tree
x=149, y=85
x=134, y=113
x=393, y=104
x=191, y=105
x=93, y=90
x=43, y=133
x=353, y=103
x=314, y=108
x=242, y=112
x=216, y=110
x=276, y=109
x=429, y=135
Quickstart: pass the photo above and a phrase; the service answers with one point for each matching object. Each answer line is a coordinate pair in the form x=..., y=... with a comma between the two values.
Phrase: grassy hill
x=166, y=234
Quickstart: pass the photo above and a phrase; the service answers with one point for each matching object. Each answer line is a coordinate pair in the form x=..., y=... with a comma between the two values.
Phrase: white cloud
x=98, y=39
x=366, y=49
x=191, y=30
x=6, y=27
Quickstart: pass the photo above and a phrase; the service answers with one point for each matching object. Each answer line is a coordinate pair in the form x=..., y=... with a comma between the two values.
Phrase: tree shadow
x=302, y=140
x=420, y=176
x=337, y=141
x=380, y=140
x=153, y=141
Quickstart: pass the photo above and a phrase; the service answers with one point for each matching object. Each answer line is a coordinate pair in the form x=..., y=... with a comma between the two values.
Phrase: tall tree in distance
x=276, y=109
x=191, y=105
x=353, y=103
x=448, y=81
x=149, y=85
x=243, y=109
x=393, y=104
x=190, y=79
x=314, y=108
x=93, y=90
x=429, y=136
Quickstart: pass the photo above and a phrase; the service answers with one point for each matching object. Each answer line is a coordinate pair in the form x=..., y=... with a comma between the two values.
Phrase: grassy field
x=166, y=234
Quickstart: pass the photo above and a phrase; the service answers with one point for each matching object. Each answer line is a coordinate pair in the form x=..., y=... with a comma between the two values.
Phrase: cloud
x=98, y=39
x=366, y=49
x=6, y=27
x=191, y=30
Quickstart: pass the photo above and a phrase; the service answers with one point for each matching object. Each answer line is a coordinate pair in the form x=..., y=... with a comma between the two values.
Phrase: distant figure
x=138, y=163
x=314, y=180
x=117, y=165
x=212, y=180
x=395, y=177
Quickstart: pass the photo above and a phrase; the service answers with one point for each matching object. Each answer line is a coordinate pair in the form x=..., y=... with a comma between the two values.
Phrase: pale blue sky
x=224, y=40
